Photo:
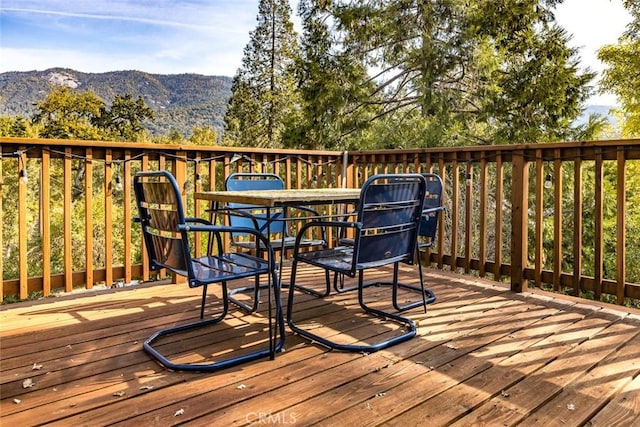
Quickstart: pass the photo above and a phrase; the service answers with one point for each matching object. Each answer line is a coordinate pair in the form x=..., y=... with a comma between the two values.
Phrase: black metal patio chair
x=167, y=233
x=431, y=212
x=385, y=231
x=273, y=223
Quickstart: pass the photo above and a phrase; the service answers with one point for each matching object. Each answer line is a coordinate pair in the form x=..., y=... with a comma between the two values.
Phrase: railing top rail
x=509, y=148
x=157, y=147
x=545, y=146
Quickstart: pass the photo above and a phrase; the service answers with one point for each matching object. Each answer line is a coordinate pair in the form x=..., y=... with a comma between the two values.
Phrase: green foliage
x=67, y=114
x=205, y=135
x=18, y=127
x=71, y=114
x=470, y=72
x=407, y=73
x=621, y=77
x=263, y=94
x=123, y=121
x=332, y=88
x=179, y=101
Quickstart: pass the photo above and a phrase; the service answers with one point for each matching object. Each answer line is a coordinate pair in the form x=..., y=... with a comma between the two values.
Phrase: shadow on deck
x=483, y=355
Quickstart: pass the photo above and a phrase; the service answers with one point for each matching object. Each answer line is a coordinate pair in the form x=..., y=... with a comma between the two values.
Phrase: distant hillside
x=181, y=101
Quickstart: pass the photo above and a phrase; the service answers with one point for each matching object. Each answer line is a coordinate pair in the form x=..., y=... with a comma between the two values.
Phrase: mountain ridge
x=180, y=101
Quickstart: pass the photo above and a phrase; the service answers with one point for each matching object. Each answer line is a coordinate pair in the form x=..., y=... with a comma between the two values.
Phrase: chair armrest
x=326, y=225
x=225, y=210
x=198, y=220
x=432, y=210
x=305, y=209
x=218, y=230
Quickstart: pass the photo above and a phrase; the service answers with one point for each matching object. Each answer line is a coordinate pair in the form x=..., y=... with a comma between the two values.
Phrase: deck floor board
x=483, y=355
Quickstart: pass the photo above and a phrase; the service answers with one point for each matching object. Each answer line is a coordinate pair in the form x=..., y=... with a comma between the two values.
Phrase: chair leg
x=202, y=303
x=427, y=296
x=247, y=308
x=253, y=307
x=276, y=340
x=408, y=334
x=327, y=290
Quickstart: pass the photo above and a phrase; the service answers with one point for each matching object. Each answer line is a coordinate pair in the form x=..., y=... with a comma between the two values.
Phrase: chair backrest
x=255, y=181
x=390, y=212
x=432, y=210
x=161, y=212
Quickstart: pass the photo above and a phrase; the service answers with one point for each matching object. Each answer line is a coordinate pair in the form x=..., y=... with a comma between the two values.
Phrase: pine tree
x=465, y=71
x=331, y=83
x=263, y=89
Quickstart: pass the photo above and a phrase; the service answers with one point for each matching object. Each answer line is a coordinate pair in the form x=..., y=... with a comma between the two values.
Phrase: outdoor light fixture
x=548, y=180
x=23, y=176
x=118, y=183
x=235, y=158
x=198, y=179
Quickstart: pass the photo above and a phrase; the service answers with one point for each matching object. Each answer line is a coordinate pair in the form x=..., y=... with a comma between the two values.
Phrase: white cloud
x=212, y=63
x=159, y=36
x=194, y=13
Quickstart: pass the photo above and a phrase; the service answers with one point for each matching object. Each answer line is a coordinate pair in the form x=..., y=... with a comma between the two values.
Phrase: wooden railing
x=556, y=215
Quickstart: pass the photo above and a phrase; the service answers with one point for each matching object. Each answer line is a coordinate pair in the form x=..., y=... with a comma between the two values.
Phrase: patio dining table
x=283, y=198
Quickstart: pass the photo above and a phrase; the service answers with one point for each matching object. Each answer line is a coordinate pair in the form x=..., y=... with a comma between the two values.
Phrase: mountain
x=180, y=101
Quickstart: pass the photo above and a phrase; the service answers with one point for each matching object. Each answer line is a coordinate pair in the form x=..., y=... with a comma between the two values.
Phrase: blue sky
x=156, y=36
x=197, y=36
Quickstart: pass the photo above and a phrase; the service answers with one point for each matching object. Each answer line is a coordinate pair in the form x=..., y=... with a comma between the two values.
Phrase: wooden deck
x=484, y=356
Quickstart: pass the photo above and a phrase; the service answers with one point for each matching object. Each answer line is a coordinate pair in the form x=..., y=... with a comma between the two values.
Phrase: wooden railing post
x=45, y=222
x=88, y=218
x=67, y=209
x=22, y=223
x=180, y=173
x=519, y=221
x=621, y=212
x=2, y=179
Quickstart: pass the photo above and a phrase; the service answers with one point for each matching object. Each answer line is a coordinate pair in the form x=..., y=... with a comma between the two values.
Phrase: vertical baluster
x=108, y=214
x=539, y=211
x=621, y=246
x=23, y=241
x=577, y=225
x=499, y=197
x=482, y=234
x=598, y=231
x=128, y=217
x=557, y=221
x=88, y=217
